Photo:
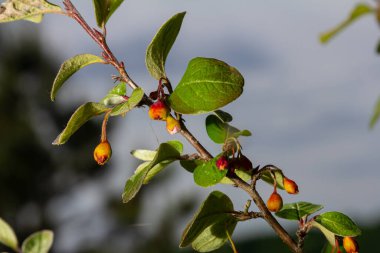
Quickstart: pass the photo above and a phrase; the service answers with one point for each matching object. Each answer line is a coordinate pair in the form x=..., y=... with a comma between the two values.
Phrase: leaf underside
x=161, y=44
x=7, y=235
x=70, y=67
x=13, y=10
x=39, y=242
x=207, y=230
x=84, y=113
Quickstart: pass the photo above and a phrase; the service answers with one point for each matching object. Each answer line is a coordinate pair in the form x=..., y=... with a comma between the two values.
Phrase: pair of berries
x=242, y=162
x=160, y=111
x=274, y=202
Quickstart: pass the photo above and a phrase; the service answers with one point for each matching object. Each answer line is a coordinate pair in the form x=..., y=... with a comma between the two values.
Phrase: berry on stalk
x=102, y=152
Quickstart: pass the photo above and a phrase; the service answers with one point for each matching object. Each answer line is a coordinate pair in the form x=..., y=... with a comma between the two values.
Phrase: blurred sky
x=308, y=105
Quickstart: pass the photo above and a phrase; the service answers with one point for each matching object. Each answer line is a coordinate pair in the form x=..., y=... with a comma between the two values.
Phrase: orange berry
x=102, y=152
x=159, y=110
x=350, y=245
x=290, y=186
x=172, y=125
x=274, y=202
x=222, y=163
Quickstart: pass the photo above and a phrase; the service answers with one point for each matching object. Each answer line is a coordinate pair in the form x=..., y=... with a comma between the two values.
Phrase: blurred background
x=308, y=106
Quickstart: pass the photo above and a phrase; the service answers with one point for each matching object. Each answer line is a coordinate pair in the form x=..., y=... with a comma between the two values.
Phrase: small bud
x=102, y=152
x=222, y=163
x=290, y=186
x=350, y=245
x=172, y=125
x=274, y=202
x=159, y=111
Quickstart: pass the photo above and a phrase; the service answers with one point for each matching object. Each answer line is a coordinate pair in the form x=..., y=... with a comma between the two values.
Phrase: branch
x=280, y=231
x=107, y=54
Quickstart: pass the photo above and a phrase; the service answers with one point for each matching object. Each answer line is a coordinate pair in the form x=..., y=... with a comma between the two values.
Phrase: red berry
x=274, y=202
x=159, y=110
x=102, y=152
x=350, y=245
x=222, y=163
x=290, y=186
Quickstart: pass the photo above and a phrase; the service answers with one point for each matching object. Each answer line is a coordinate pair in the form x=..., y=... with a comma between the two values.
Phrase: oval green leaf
x=207, y=174
x=135, y=98
x=161, y=44
x=217, y=130
x=84, y=113
x=359, y=11
x=12, y=10
x=207, y=230
x=298, y=210
x=338, y=223
x=166, y=153
x=207, y=85
x=223, y=116
x=39, y=242
x=69, y=67
x=104, y=10
x=8, y=236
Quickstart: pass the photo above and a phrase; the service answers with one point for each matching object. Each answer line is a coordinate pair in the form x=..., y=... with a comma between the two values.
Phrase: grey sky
x=308, y=105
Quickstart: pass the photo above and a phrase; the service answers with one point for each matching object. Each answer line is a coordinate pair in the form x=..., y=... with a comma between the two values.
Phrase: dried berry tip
x=102, y=152
x=274, y=202
x=222, y=163
x=290, y=186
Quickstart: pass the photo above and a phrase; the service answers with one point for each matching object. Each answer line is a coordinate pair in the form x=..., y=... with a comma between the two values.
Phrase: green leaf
x=8, y=236
x=166, y=153
x=330, y=236
x=135, y=98
x=242, y=133
x=376, y=114
x=338, y=223
x=208, y=84
x=69, y=67
x=191, y=165
x=207, y=230
x=116, y=95
x=12, y=10
x=298, y=210
x=104, y=10
x=223, y=116
x=161, y=44
x=243, y=174
x=217, y=130
x=359, y=11
x=84, y=113
x=207, y=174
x=39, y=242
x=279, y=178
x=144, y=154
